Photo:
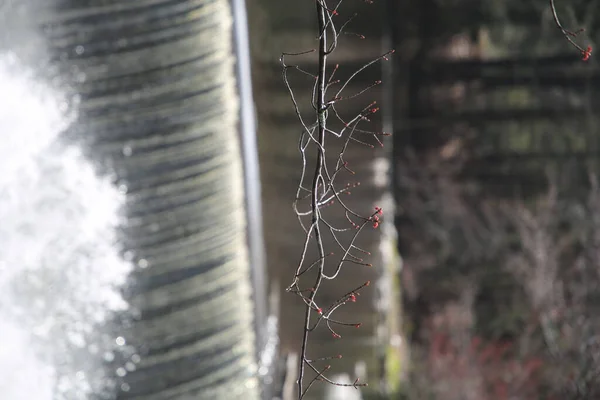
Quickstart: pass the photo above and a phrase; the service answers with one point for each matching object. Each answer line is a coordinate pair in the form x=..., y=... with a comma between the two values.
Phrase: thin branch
x=321, y=190
x=586, y=53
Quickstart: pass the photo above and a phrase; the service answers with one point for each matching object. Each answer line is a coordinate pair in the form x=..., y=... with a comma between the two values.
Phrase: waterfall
x=60, y=269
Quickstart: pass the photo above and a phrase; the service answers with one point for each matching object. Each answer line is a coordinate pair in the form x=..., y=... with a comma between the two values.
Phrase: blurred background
x=149, y=162
x=493, y=172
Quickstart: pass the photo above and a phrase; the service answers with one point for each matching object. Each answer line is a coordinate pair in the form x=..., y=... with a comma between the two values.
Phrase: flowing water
x=124, y=267
x=60, y=269
x=155, y=225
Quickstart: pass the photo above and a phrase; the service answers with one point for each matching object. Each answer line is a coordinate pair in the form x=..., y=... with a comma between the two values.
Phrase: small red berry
x=587, y=53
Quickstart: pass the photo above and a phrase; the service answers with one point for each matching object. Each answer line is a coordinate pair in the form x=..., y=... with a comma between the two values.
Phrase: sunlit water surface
x=60, y=270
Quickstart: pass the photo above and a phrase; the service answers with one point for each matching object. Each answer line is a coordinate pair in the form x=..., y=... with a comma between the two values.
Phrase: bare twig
x=586, y=53
x=322, y=191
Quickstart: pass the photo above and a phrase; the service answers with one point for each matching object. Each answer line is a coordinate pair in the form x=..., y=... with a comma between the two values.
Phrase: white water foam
x=60, y=270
